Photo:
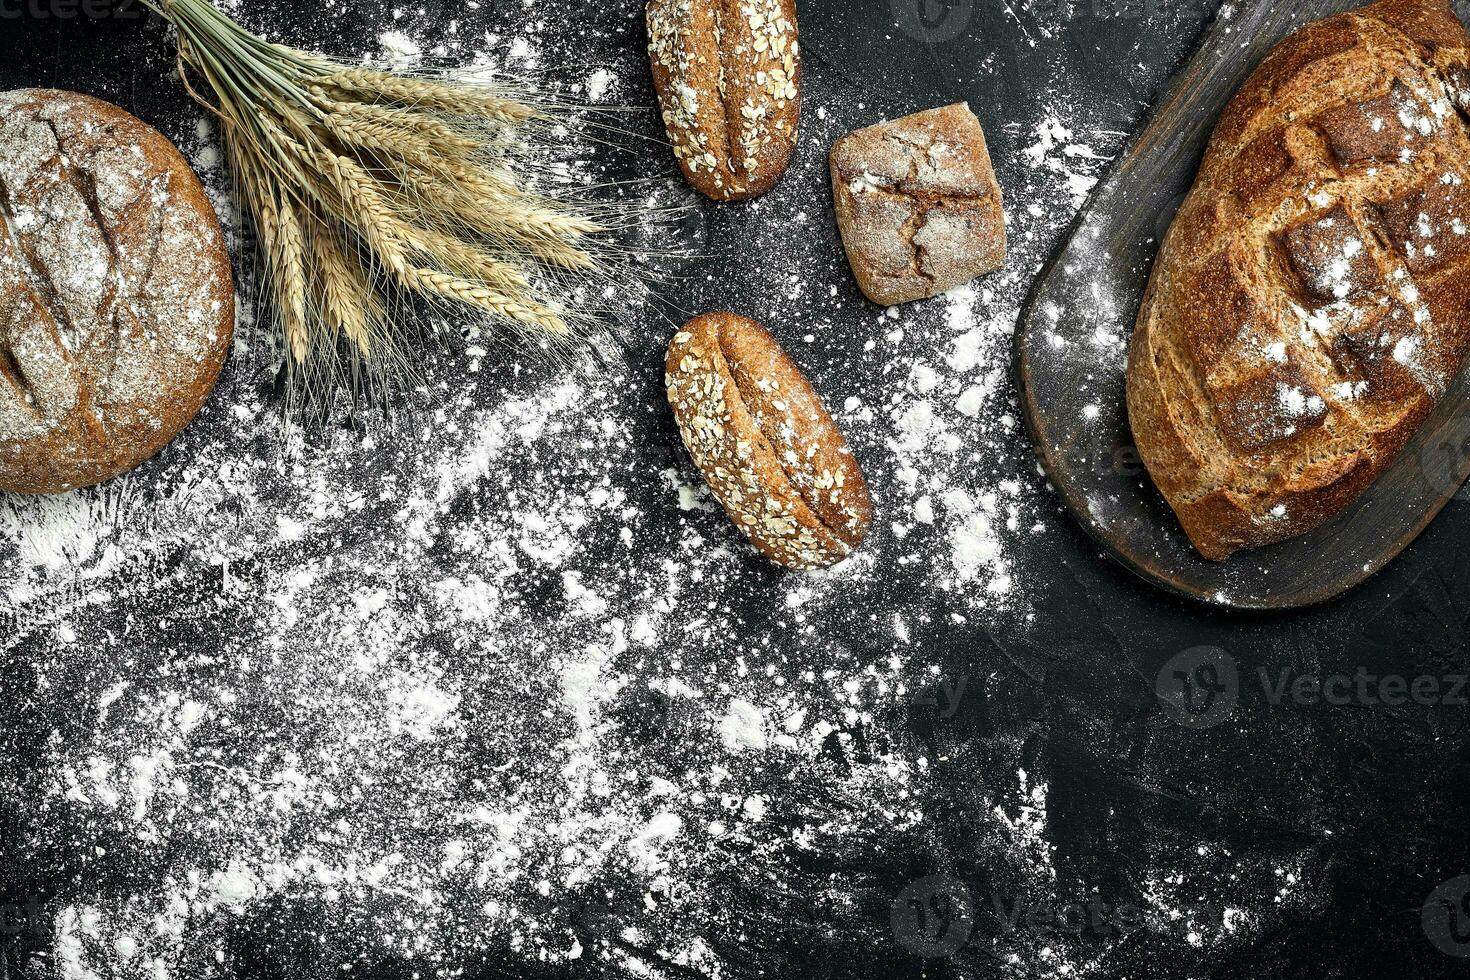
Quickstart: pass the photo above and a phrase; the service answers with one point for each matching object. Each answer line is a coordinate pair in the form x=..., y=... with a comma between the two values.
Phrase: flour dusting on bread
x=1309, y=304
x=116, y=300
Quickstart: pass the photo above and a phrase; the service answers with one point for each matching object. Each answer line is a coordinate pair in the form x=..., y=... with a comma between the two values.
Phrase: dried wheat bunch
x=372, y=192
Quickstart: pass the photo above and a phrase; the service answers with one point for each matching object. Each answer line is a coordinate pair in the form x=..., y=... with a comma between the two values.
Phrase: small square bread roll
x=917, y=204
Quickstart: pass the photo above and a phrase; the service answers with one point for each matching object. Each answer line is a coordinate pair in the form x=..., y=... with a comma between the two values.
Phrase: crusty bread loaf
x=116, y=302
x=918, y=204
x=1309, y=304
x=728, y=77
x=766, y=446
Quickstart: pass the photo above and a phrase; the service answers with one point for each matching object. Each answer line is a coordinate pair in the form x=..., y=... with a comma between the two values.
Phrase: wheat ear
x=384, y=123
x=424, y=94
x=492, y=301
x=282, y=244
x=345, y=297
x=456, y=256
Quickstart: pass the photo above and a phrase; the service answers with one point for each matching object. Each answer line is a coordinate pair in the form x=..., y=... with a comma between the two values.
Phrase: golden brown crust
x=1312, y=299
x=728, y=78
x=764, y=443
x=116, y=300
x=918, y=205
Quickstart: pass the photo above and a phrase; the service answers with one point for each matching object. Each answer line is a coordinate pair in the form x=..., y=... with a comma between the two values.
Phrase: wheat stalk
x=365, y=185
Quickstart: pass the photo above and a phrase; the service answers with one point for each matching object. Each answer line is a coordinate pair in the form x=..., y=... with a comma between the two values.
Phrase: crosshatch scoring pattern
x=1309, y=305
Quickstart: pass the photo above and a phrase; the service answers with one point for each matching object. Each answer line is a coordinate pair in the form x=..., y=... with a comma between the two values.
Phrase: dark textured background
x=1370, y=800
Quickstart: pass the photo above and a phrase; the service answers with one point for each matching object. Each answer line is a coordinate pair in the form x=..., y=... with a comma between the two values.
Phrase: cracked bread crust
x=918, y=204
x=728, y=78
x=1311, y=301
x=116, y=301
x=764, y=442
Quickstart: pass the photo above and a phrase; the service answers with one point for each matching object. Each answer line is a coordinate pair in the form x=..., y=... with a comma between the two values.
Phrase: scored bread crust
x=728, y=78
x=1311, y=300
x=116, y=302
x=764, y=442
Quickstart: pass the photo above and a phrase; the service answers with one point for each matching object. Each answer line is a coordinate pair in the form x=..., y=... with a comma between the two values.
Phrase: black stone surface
x=1370, y=799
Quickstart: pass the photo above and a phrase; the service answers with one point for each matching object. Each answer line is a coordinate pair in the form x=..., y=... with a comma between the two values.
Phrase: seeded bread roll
x=1312, y=300
x=766, y=446
x=116, y=302
x=918, y=205
x=728, y=77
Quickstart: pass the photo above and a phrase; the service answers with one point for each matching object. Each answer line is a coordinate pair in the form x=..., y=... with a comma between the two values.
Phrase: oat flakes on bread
x=1309, y=303
x=728, y=78
x=918, y=205
x=764, y=443
x=116, y=301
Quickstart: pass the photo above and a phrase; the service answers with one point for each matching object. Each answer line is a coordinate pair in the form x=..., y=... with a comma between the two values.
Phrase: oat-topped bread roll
x=728, y=78
x=1308, y=305
x=918, y=205
x=766, y=446
x=116, y=302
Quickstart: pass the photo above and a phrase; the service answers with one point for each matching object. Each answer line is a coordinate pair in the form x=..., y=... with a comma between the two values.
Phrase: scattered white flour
x=1077, y=164
x=501, y=679
x=399, y=49
x=599, y=84
x=743, y=726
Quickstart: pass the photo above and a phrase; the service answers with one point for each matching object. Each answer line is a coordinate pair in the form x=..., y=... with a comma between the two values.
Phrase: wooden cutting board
x=1071, y=349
